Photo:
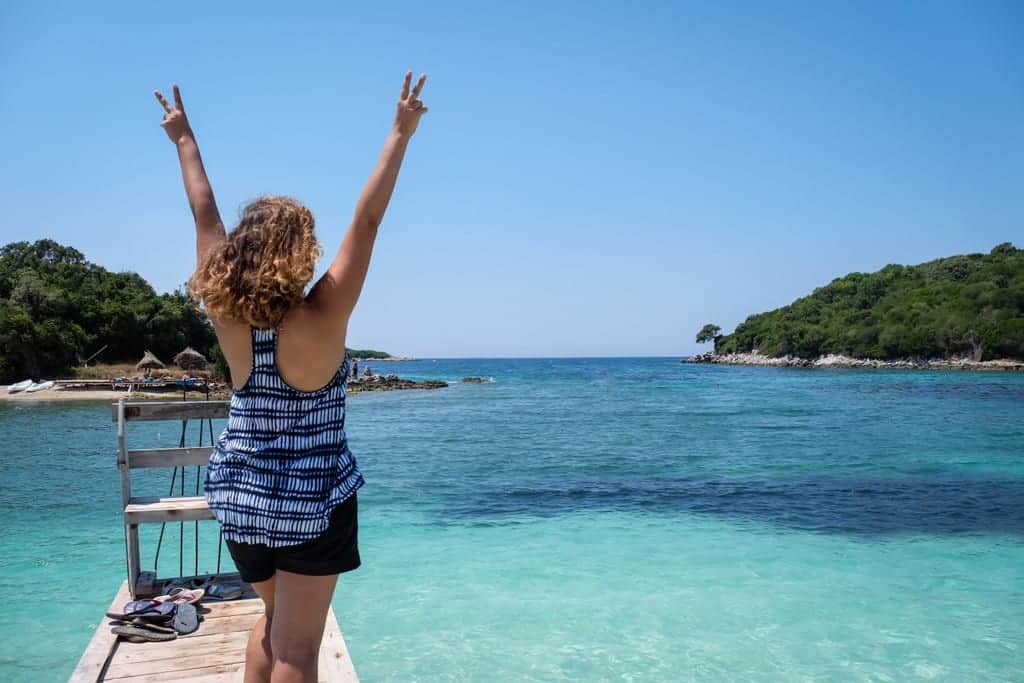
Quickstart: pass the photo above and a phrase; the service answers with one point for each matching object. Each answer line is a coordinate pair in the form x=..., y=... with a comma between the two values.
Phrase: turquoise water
x=591, y=520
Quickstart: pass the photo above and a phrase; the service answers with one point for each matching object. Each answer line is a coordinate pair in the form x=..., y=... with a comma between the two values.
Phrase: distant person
x=368, y=372
x=286, y=352
x=355, y=368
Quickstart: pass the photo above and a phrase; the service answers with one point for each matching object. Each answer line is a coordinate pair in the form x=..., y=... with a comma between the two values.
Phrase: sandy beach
x=71, y=396
x=356, y=386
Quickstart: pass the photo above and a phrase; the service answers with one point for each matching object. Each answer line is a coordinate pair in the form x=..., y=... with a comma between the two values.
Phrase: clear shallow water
x=621, y=520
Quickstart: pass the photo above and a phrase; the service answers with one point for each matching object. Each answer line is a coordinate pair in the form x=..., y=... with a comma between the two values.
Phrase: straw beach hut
x=149, y=362
x=190, y=359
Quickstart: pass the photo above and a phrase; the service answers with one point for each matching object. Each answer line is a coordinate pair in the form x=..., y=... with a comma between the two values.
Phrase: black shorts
x=333, y=552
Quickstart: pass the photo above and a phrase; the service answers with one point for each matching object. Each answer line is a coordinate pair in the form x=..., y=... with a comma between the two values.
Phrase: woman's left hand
x=175, y=123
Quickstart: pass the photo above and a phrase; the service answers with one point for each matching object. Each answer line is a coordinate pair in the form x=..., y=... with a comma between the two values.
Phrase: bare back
x=310, y=348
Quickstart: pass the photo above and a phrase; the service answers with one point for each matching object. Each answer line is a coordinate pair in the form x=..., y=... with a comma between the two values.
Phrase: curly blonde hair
x=260, y=271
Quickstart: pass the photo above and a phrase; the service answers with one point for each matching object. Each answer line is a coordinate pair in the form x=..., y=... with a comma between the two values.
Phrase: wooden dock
x=213, y=654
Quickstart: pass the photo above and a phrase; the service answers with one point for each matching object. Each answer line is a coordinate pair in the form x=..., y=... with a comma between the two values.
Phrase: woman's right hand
x=410, y=107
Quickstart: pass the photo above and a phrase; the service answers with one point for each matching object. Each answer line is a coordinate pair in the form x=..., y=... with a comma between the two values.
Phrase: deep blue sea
x=601, y=520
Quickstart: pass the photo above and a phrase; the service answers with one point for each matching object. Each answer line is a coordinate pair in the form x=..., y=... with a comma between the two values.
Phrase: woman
x=281, y=479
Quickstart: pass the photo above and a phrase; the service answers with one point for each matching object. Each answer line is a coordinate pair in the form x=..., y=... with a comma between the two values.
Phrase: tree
x=56, y=306
x=709, y=333
x=219, y=363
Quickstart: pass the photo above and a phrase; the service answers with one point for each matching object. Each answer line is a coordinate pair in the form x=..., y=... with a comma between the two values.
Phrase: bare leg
x=300, y=609
x=259, y=658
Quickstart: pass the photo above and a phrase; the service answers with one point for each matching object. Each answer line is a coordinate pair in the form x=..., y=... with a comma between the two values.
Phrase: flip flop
x=186, y=620
x=137, y=634
x=223, y=591
x=156, y=628
x=149, y=609
x=138, y=605
x=181, y=595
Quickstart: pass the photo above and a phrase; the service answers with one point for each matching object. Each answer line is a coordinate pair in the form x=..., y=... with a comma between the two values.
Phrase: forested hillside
x=57, y=309
x=968, y=305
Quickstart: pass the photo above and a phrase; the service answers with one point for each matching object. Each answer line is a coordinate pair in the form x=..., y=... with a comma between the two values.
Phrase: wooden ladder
x=146, y=509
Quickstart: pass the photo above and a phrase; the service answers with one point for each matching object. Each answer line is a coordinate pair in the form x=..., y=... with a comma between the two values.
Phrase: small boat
x=41, y=386
x=20, y=386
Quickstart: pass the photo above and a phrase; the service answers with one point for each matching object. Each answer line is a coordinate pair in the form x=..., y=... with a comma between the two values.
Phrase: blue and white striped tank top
x=282, y=464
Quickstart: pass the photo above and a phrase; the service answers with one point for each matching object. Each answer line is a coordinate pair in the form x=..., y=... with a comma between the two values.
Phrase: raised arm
x=338, y=290
x=209, y=228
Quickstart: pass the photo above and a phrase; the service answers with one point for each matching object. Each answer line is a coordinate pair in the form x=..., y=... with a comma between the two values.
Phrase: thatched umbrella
x=190, y=359
x=149, y=362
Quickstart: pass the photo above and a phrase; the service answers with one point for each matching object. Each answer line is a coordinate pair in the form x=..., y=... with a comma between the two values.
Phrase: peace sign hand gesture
x=175, y=123
x=410, y=107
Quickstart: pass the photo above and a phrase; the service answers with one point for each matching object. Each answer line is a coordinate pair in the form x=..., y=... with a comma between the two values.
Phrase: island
x=960, y=312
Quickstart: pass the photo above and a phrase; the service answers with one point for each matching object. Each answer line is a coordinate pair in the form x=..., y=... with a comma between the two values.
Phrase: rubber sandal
x=181, y=595
x=137, y=605
x=186, y=619
x=223, y=591
x=156, y=628
x=138, y=634
x=149, y=609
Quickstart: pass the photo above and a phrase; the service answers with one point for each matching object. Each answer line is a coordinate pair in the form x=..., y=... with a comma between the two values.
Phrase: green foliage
x=219, y=363
x=367, y=353
x=708, y=333
x=56, y=307
x=967, y=305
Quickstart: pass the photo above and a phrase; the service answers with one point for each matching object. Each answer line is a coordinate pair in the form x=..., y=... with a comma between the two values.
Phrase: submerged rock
x=474, y=380
x=391, y=383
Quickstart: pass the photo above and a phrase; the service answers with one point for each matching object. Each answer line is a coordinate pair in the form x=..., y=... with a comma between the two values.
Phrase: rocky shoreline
x=839, y=361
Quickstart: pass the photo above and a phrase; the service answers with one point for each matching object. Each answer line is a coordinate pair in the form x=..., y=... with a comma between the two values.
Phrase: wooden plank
x=202, y=674
x=169, y=457
x=188, y=660
x=131, y=532
x=122, y=452
x=209, y=627
x=131, y=535
x=141, y=510
x=233, y=676
x=335, y=663
x=173, y=410
x=128, y=653
x=99, y=650
x=232, y=608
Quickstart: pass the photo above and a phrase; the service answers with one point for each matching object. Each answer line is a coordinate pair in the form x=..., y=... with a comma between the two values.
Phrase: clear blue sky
x=592, y=179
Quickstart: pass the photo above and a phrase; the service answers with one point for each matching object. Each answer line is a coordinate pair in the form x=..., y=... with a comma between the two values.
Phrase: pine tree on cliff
x=709, y=333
